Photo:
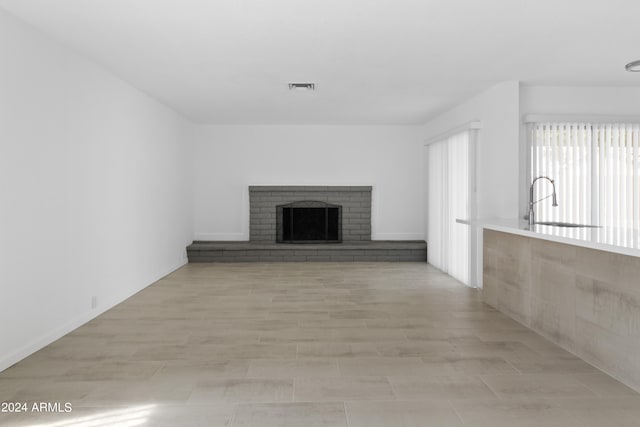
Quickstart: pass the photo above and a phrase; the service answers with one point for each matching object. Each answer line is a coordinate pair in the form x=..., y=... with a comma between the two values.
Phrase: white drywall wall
x=95, y=192
x=228, y=159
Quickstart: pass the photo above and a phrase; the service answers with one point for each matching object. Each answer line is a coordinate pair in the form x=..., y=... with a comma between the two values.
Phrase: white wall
x=95, y=197
x=230, y=158
x=580, y=100
x=497, y=146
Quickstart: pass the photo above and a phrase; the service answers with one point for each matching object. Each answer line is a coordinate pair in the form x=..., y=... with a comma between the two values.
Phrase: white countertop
x=626, y=242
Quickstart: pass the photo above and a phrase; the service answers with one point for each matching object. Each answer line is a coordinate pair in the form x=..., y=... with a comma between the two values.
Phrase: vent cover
x=302, y=86
x=633, y=67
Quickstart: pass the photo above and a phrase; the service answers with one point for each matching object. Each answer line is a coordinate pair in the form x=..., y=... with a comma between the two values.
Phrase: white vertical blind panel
x=563, y=154
x=554, y=171
x=622, y=177
x=458, y=146
x=634, y=179
x=435, y=192
x=448, y=199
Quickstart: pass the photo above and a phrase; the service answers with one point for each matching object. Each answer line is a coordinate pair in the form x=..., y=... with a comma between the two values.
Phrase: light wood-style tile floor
x=312, y=344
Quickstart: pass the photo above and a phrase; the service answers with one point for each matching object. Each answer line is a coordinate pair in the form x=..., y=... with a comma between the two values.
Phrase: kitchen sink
x=565, y=224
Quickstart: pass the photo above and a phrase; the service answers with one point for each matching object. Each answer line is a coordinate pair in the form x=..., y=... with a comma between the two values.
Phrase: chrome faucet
x=531, y=202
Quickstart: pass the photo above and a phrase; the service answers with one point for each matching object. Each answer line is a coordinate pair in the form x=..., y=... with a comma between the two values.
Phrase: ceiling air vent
x=302, y=86
x=633, y=67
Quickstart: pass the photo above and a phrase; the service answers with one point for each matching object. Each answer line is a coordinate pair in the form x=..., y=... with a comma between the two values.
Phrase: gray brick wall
x=355, y=201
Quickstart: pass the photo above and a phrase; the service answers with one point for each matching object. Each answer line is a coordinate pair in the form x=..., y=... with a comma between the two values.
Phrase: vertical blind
x=448, y=199
x=596, y=168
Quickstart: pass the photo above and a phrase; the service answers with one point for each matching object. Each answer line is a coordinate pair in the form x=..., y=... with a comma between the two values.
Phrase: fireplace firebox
x=308, y=221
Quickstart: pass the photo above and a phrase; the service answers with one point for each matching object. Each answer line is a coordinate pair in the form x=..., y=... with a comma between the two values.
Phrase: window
x=596, y=168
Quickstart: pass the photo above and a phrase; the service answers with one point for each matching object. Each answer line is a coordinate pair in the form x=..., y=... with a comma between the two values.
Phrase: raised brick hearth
x=265, y=252
x=355, y=202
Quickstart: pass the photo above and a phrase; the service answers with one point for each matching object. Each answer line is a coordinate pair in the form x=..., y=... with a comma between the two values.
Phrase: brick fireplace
x=355, y=203
x=354, y=242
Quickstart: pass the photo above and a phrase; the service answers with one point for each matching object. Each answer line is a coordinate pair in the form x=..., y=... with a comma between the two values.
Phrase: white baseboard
x=45, y=340
x=230, y=237
x=398, y=236
x=57, y=333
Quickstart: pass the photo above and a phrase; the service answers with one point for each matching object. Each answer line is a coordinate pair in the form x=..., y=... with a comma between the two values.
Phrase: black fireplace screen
x=308, y=222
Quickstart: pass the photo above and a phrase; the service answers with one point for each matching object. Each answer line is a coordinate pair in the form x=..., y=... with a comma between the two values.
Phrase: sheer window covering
x=448, y=199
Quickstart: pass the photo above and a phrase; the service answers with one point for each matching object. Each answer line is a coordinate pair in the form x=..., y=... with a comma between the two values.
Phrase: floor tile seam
x=481, y=377
x=339, y=369
x=404, y=332
x=394, y=392
x=570, y=414
x=597, y=395
x=238, y=402
x=593, y=394
x=578, y=382
x=513, y=366
x=603, y=396
x=234, y=414
x=346, y=413
x=455, y=410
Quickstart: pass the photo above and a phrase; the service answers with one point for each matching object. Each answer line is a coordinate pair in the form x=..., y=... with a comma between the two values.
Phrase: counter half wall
x=585, y=300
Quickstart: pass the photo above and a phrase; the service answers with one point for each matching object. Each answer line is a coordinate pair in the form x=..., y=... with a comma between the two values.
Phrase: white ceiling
x=374, y=61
